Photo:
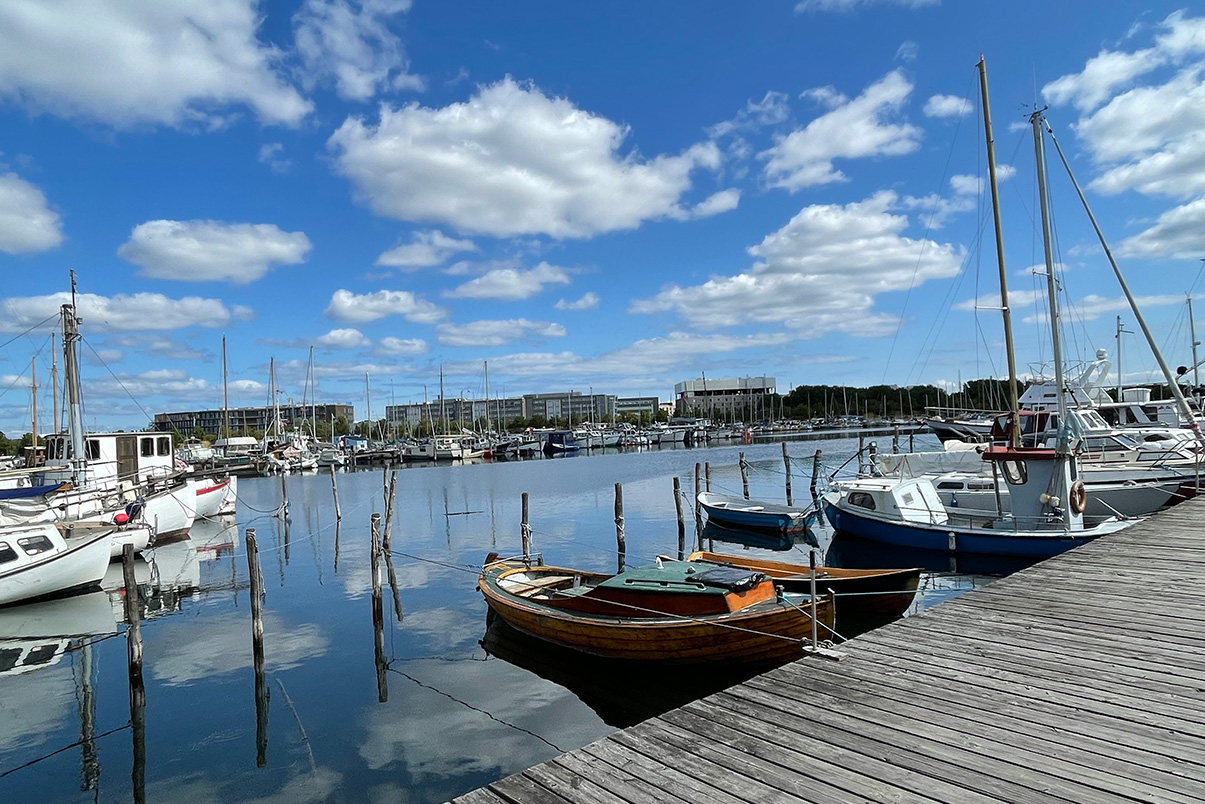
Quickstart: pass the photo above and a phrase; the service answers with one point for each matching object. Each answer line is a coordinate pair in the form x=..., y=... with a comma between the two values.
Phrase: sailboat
x=1048, y=498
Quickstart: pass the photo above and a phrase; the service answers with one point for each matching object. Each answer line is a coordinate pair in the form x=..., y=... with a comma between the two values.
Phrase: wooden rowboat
x=738, y=512
x=861, y=591
x=676, y=612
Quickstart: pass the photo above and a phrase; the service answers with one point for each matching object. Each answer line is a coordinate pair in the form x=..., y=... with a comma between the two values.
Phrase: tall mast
x=1118, y=356
x=486, y=365
x=443, y=408
x=75, y=413
x=275, y=423
x=1192, y=333
x=225, y=396
x=33, y=389
x=1181, y=402
x=1039, y=154
x=1013, y=404
x=54, y=382
x=313, y=397
x=368, y=402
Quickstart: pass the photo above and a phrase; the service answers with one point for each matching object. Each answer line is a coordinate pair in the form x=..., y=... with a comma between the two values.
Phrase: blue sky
x=612, y=196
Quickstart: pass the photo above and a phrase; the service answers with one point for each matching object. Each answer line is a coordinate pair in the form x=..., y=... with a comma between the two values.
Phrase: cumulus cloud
x=851, y=129
x=771, y=110
x=907, y=51
x=171, y=62
x=1179, y=234
x=27, y=223
x=402, y=346
x=1088, y=308
x=202, y=251
x=511, y=284
x=511, y=161
x=946, y=106
x=425, y=249
x=496, y=333
x=137, y=312
x=717, y=203
x=818, y=274
x=351, y=308
x=588, y=301
x=349, y=43
x=965, y=192
x=161, y=346
x=271, y=154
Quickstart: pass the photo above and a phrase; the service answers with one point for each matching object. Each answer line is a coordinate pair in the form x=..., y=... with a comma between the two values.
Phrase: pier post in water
x=375, y=556
x=621, y=546
x=815, y=478
x=861, y=449
x=525, y=532
x=378, y=613
x=137, y=690
x=681, y=520
x=895, y=441
x=284, y=493
x=335, y=492
x=786, y=462
x=257, y=650
x=698, y=511
x=744, y=474
x=390, y=495
x=707, y=475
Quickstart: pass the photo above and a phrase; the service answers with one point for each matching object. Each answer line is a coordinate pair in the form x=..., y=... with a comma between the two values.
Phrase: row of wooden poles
x=381, y=537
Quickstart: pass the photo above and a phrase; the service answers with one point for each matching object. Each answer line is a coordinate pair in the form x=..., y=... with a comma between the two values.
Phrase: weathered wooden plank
x=519, y=789
x=629, y=787
x=482, y=795
x=1109, y=610
x=658, y=773
x=951, y=707
x=572, y=786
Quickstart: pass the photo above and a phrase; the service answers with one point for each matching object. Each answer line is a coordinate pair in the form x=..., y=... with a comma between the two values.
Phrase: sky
x=609, y=198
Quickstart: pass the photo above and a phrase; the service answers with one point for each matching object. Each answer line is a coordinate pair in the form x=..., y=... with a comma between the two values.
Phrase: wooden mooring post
x=257, y=650
x=744, y=475
x=707, y=475
x=681, y=520
x=525, y=533
x=284, y=493
x=621, y=546
x=698, y=511
x=137, y=689
x=335, y=492
x=375, y=556
x=815, y=478
x=786, y=463
x=378, y=613
x=390, y=497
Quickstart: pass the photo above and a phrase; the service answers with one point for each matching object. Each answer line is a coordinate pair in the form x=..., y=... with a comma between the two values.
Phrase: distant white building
x=742, y=398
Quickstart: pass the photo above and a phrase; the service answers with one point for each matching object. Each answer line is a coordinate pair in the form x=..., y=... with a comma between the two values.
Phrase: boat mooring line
x=75, y=744
x=467, y=705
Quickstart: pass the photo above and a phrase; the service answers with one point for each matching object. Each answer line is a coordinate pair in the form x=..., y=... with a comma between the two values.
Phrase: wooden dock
x=1081, y=679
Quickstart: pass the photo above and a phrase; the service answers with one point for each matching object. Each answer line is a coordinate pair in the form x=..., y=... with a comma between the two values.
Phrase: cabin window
x=8, y=658
x=93, y=449
x=950, y=484
x=862, y=500
x=148, y=447
x=33, y=545
x=982, y=485
x=7, y=553
x=42, y=654
x=1014, y=472
x=165, y=445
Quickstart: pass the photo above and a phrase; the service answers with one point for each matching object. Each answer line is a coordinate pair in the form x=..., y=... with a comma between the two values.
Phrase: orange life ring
x=1078, y=497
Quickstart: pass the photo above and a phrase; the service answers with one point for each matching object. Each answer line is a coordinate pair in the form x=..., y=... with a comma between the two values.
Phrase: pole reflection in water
x=89, y=759
x=257, y=647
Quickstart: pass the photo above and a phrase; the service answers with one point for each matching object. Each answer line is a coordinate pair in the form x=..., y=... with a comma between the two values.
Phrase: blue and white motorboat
x=736, y=512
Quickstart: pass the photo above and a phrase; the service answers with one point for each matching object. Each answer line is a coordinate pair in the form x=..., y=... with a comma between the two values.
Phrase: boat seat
x=527, y=587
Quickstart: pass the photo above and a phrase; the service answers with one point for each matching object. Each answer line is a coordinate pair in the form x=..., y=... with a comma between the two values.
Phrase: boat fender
x=1078, y=498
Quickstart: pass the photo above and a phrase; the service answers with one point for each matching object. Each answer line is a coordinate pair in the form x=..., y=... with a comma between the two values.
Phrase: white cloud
x=342, y=339
x=270, y=154
x=946, y=106
x=1089, y=308
x=402, y=346
x=769, y=111
x=350, y=308
x=852, y=129
x=588, y=301
x=818, y=274
x=425, y=250
x=27, y=223
x=203, y=251
x=349, y=43
x=496, y=333
x=170, y=62
x=161, y=346
x=138, y=312
x=965, y=194
x=1102, y=74
x=907, y=51
x=717, y=203
x=1178, y=234
x=511, y=161
x=849, y=5
x=511, y=284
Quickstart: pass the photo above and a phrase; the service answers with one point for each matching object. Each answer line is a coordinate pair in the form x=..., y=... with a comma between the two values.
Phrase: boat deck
x=1081, y=679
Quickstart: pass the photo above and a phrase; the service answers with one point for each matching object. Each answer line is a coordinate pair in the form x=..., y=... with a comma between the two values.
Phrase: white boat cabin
x=911, y=500
x=112, y=457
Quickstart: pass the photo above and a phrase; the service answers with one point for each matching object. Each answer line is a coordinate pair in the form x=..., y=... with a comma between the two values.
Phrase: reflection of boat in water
x=848, y=550
x=38, y=635
x=763, y=539
x=214, y=538
x=671, y=612
x=858, y=591
x=605, y=685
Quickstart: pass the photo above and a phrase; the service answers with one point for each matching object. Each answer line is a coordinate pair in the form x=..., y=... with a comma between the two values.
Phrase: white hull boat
x=36, y=561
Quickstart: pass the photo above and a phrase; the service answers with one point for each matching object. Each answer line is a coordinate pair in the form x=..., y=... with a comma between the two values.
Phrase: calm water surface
x=445, y=715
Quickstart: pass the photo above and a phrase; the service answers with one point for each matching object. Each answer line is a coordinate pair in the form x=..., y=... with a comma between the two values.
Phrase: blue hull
x=30, y=491
x=748, y=519
x=965, y=540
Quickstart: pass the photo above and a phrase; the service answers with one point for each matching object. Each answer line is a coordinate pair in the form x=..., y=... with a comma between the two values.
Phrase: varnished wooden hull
x=772, y=632
x=859, y=591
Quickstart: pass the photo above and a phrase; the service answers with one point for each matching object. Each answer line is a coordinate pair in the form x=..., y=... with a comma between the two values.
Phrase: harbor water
x=435, y=704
